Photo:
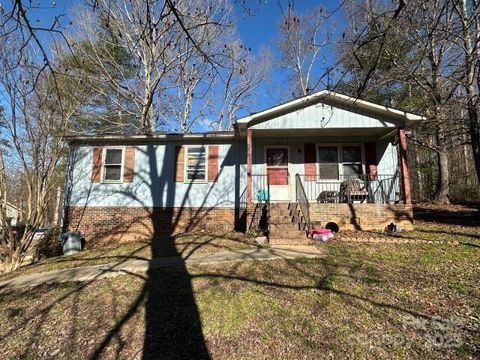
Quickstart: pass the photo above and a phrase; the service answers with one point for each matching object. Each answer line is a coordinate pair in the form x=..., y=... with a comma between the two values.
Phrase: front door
x=276, y=161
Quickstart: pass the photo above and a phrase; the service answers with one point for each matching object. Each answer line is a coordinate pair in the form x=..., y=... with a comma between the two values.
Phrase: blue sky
x=256, y=31
x=261, y=28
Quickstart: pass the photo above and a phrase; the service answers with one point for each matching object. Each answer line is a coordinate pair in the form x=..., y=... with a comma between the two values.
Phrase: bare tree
x=239, y=88
x=151, y=37
x=302, y=37
x=415, y=59
x=35, y=125
x=468, y=41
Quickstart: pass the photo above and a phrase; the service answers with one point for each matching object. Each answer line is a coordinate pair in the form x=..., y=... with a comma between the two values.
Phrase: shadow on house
x=172, y=322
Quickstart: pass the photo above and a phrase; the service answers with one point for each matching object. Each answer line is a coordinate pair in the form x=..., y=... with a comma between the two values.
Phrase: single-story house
x=321, y=158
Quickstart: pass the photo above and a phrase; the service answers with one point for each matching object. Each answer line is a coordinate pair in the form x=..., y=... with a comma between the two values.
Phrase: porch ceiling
x=378, y=133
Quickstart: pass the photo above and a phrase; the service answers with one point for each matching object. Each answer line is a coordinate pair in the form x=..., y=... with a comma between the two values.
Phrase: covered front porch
x=321, y=169
x=330, y=158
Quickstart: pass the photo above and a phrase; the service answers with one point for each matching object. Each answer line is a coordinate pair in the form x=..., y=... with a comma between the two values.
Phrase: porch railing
x=261, y=197
x=302, y=201
x=380, y=189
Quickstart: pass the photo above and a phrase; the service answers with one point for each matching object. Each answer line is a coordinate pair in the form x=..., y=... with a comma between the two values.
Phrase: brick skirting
x=363, y=216
x=135, y=223
x=347, y=216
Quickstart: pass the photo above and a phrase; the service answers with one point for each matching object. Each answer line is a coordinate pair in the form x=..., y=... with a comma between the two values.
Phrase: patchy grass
x=184, y=245
x=390, y=301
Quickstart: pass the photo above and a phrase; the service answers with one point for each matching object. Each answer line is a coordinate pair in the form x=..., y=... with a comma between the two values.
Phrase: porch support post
x=249, y=165
x=402, y=146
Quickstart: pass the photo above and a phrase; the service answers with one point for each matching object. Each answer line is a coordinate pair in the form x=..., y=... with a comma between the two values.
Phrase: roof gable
x=324, y=116
x=327, y=109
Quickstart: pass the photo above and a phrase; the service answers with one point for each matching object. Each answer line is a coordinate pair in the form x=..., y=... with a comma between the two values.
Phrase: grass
x=185, y=245
x=390, y=301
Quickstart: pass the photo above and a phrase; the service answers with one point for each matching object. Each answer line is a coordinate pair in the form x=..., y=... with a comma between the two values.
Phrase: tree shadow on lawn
x=468, y=215
x=172, y=322
x=171, y=328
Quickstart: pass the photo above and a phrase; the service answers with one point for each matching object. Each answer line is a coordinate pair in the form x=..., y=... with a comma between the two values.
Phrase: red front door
x=276, y=160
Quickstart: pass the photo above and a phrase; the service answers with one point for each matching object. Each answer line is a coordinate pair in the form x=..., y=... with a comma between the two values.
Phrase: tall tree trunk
x=443, y=189
x=470, y=25
x=474, y=128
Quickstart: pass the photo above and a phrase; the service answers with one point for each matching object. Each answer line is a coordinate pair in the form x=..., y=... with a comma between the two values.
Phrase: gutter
x=72, y=140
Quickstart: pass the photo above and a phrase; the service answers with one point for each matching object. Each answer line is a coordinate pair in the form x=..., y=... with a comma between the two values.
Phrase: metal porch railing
x=302, y=201
x=380, y=189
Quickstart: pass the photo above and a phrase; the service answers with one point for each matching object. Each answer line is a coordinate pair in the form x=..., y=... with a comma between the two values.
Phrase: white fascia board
x=340, y=98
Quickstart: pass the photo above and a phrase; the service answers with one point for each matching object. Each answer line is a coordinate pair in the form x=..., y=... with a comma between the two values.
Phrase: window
x=328, y=162
x=196, y=167
x=277, y=156
x=335, y=162
x=352, y=161
x=112, y=167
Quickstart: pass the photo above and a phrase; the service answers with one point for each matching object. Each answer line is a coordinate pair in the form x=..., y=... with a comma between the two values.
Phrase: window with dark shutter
x=112, y=166
x=339, y=161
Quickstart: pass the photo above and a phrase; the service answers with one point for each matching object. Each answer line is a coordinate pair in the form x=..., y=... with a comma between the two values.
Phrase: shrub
x=48, y=245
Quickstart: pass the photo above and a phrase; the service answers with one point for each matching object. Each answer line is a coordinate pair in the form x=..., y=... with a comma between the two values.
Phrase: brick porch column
x=249, y=166
x=402, y=146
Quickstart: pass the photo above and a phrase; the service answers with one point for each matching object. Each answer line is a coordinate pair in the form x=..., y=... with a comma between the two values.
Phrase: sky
x=256, y=31
x=261, y=29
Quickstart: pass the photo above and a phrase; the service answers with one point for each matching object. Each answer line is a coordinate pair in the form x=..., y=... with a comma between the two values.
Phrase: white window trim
x=185, y=165
x=122, y=165
x=340, y=159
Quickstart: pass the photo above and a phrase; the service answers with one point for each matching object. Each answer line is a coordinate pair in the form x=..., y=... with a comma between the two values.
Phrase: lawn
x=184, y=245
x=390, y=301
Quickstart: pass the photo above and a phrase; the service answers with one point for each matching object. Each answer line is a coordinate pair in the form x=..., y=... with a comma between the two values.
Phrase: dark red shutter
x=310, y=162
x=179, y=163
x=128, y=169
x=212, y=163
x=371, y=160
x=97, y=164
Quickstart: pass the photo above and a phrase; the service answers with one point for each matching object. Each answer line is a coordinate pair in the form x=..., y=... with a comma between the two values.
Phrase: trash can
x=71, y=242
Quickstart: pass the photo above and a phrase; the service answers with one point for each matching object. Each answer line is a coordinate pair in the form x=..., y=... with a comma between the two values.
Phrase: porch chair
x=352, y=189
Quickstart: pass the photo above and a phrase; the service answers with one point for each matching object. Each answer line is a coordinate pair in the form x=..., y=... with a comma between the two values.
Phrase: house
x=13, y=213
x=321, y=158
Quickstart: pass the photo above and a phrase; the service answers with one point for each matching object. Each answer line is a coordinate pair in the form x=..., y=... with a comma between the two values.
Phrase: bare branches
x=301, y=40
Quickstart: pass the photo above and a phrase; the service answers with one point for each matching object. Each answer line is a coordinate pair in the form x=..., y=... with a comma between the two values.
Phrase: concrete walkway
x=94, y=272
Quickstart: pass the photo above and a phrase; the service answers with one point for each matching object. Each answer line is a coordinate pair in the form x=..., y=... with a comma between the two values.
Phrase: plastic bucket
x=71, y=242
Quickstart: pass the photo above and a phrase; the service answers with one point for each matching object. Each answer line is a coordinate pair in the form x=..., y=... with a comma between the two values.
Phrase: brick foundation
x=134, y=223
x=346, y=216
x=363, y=216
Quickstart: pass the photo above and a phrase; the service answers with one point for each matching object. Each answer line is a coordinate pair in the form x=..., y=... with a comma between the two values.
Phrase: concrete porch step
x=282, y=206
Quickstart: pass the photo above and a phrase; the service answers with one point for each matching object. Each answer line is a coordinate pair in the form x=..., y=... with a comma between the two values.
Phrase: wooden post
x=249, y=165
x=402, y=146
